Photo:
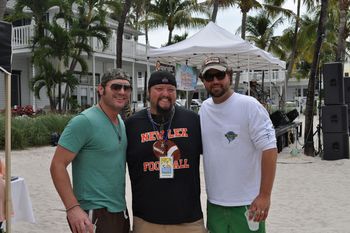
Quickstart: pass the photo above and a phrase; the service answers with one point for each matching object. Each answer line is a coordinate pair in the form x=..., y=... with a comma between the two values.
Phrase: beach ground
x=310, y=195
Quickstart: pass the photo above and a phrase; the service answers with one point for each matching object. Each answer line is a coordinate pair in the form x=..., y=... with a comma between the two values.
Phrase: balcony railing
x=22, y=38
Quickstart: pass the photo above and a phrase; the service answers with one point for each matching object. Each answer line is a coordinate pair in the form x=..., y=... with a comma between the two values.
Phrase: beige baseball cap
x=217, y=63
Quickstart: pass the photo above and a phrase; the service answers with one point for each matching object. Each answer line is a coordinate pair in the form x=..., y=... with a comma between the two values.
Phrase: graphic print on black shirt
x=165, y=201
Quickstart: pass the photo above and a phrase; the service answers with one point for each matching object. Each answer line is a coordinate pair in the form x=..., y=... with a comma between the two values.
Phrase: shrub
x=20, y=111
x=33, y=131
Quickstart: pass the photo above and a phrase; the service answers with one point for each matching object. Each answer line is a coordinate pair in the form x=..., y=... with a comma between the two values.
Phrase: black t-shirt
x=165, y=201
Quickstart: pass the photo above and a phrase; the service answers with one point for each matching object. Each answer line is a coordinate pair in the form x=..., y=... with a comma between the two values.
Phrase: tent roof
x=213, y=40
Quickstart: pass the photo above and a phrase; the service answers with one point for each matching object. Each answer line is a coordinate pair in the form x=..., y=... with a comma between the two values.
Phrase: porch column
x=134, y=83
x=32, y=93
x=94, y=78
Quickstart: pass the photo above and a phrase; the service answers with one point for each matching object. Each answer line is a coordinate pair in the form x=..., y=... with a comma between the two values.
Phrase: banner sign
x=186, y=77
x=162, y=66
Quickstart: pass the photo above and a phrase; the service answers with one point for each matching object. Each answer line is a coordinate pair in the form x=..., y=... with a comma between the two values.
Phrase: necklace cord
x=113, y=125
x=160, y=127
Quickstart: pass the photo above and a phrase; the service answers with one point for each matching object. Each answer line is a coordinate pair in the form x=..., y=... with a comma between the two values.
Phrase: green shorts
x=222, y=219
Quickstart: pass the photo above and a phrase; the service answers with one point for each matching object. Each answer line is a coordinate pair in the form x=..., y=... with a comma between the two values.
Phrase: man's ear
x=100, y=89
x=147, y=95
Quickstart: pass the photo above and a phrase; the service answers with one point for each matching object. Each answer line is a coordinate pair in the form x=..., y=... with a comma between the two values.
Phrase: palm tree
x=275, y=7
x=120, y=31
x=89, y=23
x=216, y=4
x=45, y=78
x=175, y=14
x=178, y=38
x=260, y=30
x=343, y=29
x=35, y=9
x=57, y=52
x=139, y=16
x=308, y=133
x=304, y=45
x=56, y=48
x=245, y=6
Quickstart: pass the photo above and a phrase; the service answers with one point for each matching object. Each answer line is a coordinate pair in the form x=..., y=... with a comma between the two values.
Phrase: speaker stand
x=319, y=150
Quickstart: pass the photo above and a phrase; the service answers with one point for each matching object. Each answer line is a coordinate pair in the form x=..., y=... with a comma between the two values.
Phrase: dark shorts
x=107, y=222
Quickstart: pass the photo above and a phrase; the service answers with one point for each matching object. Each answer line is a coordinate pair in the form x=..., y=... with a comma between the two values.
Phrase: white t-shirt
x=234, y=134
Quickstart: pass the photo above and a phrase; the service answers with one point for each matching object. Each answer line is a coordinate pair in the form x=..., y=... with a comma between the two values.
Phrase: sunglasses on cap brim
x=209, y=76
x=118, y=87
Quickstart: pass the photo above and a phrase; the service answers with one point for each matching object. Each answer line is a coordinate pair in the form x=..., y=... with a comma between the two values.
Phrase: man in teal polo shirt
x=95, y=143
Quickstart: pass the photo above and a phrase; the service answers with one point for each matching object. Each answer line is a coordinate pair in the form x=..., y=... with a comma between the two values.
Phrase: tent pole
x=8, y=196
x=248, y=76
x=187, y=102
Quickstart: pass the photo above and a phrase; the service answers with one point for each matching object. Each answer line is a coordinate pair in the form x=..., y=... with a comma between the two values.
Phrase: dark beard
x=164, y=114
x=217, y=94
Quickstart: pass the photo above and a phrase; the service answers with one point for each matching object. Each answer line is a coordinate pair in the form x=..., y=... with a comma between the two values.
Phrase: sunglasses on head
x=209, y=77
x=118, y=87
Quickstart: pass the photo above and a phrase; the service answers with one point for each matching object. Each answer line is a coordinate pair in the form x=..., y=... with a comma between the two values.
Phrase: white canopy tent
x=213, y=40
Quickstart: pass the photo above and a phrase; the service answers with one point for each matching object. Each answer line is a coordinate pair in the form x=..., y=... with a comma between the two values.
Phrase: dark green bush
x=33, y=131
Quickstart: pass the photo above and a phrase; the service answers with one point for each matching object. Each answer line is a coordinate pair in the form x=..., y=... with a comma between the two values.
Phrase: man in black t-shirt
x=164, y=147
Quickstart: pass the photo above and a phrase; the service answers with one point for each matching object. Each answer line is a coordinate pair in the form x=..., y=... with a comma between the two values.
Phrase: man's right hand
x=79, y=221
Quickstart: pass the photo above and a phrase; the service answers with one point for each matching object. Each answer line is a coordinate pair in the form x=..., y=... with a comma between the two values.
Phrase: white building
x=134, y=62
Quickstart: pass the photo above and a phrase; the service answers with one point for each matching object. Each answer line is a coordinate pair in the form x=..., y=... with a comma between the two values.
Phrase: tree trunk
x=59, y=95
x=309, y=149
x=120, y=32
x=52, y=98
x=215, y=10
x=170, y=35
x=342, y=35
x=147, y=44
x=2, y=8
x=243, y=31
x=243, y=24
x=292, y=56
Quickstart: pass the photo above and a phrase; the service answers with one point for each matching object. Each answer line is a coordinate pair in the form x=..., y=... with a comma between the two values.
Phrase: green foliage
x=58, y=43
x=29, y=132
x=176, y=14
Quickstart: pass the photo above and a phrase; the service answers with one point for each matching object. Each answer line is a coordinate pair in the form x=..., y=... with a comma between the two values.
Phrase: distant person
x=164, y=147
x=239, y=153
x=95, y=143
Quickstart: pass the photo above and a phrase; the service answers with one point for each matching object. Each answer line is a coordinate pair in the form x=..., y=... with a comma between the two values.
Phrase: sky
x=229, y=19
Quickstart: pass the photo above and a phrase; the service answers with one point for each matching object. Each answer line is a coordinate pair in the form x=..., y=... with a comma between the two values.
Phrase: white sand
x=310, y=194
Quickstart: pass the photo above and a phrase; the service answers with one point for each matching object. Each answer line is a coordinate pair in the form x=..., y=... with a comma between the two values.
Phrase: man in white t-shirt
x=239, y=152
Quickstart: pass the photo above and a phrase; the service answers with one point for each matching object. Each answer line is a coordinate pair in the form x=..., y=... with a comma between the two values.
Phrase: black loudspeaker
x=335, y=118
x=335, y=146
x=292, y=115
x=5, y=45
x=333, y=83
x=349, y=117
x=279, y=118
x=347, y=90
